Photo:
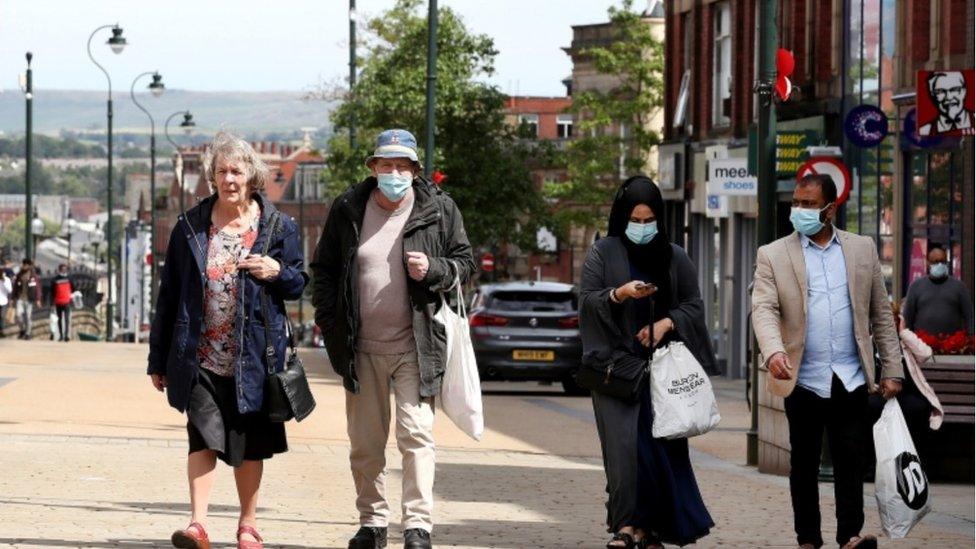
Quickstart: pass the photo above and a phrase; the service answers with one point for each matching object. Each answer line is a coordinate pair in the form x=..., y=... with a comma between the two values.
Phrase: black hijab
x=653, y=258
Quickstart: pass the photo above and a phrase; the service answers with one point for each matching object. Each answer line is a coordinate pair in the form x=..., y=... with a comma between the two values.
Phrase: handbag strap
x=462, y=308
x=269, y=351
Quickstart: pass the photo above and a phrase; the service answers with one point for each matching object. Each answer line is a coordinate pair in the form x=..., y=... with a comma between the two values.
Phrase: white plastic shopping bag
x=461, y=386
x=681, y=394
x=900, y=484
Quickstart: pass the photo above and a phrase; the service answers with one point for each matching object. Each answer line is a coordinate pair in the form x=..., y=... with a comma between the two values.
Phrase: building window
x=564, y=126
x=722, y=62
x=528, y=125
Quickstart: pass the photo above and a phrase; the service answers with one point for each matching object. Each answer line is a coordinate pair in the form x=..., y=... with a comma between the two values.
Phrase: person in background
x=61, y=297
x=6, y=289
x=27, y=294
x=919, y=403
x=938, y=304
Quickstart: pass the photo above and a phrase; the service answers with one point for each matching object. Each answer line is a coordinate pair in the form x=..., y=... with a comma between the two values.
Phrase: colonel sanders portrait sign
x=946, y=102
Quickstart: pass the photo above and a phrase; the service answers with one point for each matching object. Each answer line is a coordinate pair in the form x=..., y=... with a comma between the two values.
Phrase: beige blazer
x=779, y=307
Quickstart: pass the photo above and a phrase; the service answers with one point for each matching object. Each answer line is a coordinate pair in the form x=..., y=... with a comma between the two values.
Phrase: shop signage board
x=730, y=177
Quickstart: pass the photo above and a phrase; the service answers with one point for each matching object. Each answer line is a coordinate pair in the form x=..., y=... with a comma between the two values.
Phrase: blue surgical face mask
x=394, y=185
x=807, y=220
x=939, y=271
x=641, y=233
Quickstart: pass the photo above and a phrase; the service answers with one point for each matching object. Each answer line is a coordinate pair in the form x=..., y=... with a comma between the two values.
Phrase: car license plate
x=547, y=356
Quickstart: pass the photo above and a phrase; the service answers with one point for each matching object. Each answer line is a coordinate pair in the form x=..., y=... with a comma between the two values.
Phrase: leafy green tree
x=481, y=155
x=614, y=133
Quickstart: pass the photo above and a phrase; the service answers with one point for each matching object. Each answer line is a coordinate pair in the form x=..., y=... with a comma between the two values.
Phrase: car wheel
x=572, y=389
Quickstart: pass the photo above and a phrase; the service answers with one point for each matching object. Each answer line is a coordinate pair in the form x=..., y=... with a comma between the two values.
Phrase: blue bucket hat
x=395, y=143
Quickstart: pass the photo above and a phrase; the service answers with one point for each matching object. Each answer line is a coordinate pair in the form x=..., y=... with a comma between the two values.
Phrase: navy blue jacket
x=178, y=324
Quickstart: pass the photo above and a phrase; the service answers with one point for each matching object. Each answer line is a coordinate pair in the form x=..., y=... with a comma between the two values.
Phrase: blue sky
x=263, y=45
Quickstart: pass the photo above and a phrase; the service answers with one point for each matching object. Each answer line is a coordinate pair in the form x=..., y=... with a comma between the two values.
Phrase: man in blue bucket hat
x=390, y=245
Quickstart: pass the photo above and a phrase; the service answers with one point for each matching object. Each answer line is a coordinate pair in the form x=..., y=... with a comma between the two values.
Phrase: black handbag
x=286, y=393
x=618, y=378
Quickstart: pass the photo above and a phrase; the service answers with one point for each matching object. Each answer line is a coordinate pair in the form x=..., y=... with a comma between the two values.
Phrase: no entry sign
x=834, y=168
x=488, y=262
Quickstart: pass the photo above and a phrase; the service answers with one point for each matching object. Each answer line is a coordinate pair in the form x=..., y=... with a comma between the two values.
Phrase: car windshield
x=534, y=301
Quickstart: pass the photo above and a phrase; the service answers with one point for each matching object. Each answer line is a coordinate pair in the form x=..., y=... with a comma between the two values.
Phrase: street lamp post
x=187, y=124
x=157, y=88
x=28, y=88
x=117, y=43
x=431, y=84
x=36, y=230
x=69, y=228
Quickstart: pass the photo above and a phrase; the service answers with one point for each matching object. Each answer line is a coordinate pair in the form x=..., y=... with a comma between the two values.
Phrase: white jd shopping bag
x=461, y=386
x=900, y=484
x=681, y=394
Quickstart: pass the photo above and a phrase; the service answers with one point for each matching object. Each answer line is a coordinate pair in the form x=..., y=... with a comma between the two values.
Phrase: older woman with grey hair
x=209, y=346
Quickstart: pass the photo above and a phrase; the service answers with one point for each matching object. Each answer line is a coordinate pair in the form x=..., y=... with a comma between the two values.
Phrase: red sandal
x=192, y=537
x=245, y=529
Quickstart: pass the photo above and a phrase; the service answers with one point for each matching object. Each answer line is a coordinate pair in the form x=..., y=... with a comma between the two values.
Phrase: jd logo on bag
x=913, y=486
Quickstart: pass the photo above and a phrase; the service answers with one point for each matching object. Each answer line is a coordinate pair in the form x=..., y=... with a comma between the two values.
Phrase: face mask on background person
x=394, y=185
x=939, y=271
x=641, y=233
x=807, y=220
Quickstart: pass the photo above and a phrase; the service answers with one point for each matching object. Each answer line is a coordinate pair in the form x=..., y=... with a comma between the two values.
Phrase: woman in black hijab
x=638, y=292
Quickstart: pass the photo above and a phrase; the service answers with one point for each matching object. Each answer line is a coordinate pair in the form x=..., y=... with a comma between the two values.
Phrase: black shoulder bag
x=286, y=393
x=618, y=376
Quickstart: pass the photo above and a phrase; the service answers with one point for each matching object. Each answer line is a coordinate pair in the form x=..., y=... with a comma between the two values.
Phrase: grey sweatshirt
x=938, y=307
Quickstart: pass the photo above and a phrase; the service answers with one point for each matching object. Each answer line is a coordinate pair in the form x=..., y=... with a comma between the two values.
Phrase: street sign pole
x=766, y=173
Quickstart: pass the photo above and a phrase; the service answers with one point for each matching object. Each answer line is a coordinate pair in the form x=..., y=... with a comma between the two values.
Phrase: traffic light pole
x=766, y=174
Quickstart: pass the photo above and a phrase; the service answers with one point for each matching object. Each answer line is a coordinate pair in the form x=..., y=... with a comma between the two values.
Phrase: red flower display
x=958, y=343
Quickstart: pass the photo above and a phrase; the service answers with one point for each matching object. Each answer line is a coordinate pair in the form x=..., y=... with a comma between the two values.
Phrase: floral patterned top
x=218, y=347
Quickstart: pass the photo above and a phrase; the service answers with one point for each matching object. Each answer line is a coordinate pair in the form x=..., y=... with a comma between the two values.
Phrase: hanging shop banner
x=866, y=126
x=791, y=150
x=833, y=167
x=730, y=177
x=946, y=101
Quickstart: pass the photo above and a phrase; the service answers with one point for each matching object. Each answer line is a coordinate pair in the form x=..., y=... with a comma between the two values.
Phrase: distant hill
x=243, y=112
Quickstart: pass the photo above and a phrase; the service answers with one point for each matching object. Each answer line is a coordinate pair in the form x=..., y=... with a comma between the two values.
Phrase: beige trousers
x=368, y=418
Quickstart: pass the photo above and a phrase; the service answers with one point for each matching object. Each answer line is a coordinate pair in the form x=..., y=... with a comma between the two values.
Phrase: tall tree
x=614, y=136
x=484, y=162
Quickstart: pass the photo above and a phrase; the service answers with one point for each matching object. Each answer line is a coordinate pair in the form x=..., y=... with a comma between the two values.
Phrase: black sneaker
x=369, y=537
x=415, y=538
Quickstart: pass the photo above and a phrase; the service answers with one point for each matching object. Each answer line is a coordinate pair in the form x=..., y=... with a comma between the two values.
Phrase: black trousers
x=64, y=322
x=844, y=417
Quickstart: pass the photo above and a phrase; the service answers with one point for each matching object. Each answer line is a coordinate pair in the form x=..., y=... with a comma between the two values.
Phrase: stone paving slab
x=101, y=463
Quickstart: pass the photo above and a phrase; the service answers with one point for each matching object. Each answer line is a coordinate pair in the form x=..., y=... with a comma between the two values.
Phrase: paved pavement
x=91, y=456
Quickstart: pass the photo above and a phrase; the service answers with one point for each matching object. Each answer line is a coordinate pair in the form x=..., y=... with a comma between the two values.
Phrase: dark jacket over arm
x=609, y=328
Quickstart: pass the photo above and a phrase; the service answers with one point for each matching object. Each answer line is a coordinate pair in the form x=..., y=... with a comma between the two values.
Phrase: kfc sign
x=946, y=101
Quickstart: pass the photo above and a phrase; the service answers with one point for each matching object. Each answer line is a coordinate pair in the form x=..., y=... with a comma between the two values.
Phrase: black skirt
x=214, y=423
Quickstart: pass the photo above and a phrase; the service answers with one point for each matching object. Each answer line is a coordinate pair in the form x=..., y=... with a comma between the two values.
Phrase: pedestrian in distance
x=6, y=290
x=208, y=347
x=27, y=295
x=61, y=291
x=819, y=309
x=653, y=495
x=390, y=246
x=938, y=304
x=918, y=401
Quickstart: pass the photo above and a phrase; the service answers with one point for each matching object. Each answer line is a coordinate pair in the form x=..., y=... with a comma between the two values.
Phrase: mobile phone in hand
x=644, y=286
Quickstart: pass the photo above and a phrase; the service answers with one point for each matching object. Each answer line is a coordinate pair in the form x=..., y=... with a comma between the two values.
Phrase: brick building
x=848, y=53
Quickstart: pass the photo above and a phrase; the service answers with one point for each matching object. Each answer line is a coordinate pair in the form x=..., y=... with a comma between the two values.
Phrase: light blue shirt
x=830, y=347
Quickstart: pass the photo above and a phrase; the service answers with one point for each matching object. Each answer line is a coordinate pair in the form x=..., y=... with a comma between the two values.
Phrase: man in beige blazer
x=819, y=309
